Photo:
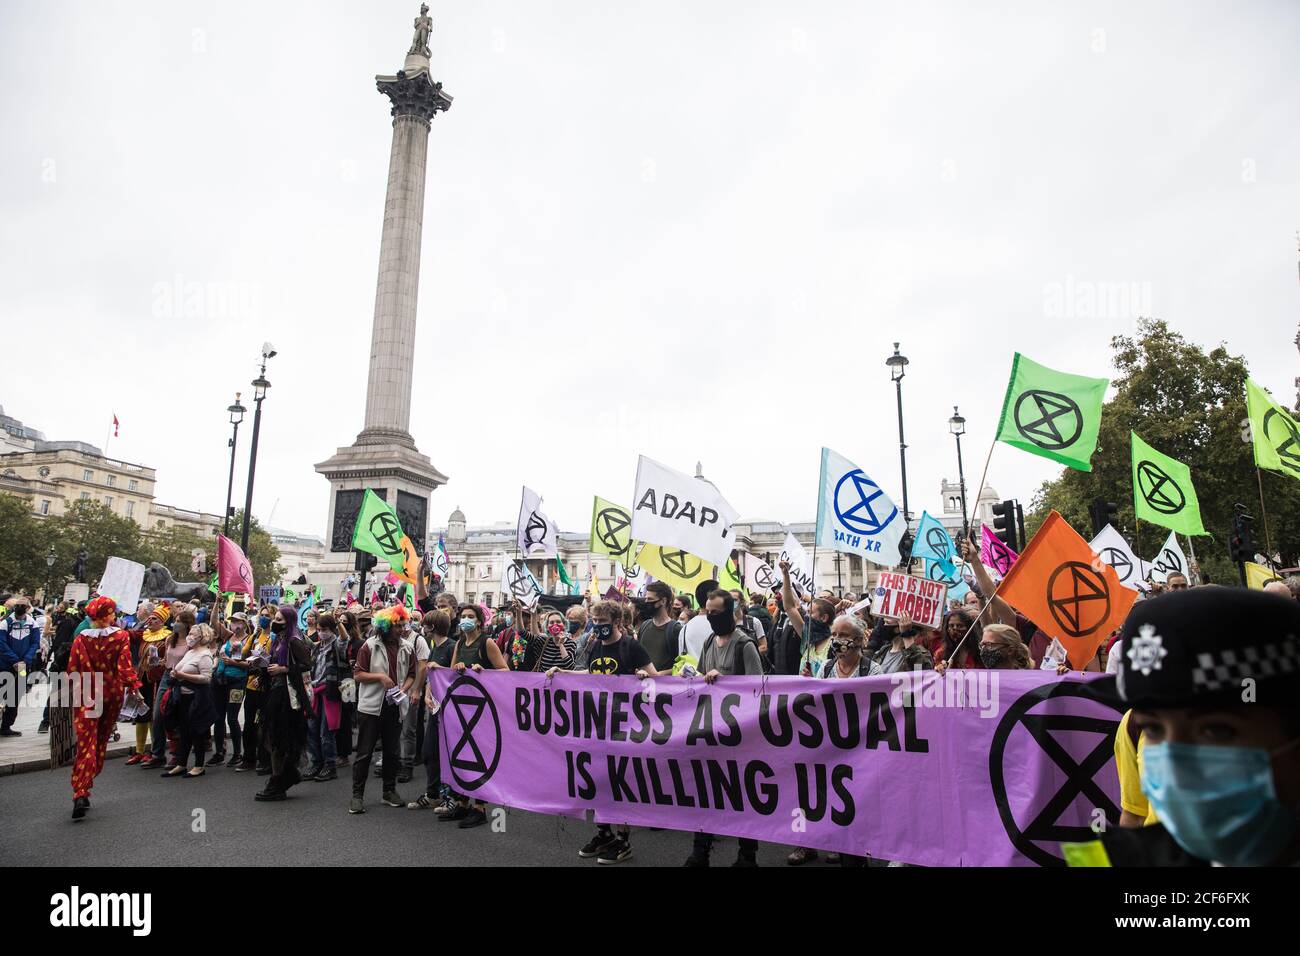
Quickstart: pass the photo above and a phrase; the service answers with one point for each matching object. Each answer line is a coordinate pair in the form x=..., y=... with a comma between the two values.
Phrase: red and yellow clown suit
x=102, y=649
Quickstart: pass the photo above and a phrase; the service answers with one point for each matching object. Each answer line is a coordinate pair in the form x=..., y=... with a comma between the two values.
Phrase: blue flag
x=307, y=605
x=933, y=542
x=854, y=514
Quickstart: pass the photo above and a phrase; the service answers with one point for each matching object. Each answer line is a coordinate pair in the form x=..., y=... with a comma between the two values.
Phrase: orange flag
x=1069, y=592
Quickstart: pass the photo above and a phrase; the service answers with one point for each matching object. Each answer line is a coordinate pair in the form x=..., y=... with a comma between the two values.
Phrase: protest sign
x=801, y=566
x=920, y=598
x=963, y=760
x=122, y=581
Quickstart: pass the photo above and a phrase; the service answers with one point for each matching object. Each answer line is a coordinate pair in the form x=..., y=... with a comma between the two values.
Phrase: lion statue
x=159, y=583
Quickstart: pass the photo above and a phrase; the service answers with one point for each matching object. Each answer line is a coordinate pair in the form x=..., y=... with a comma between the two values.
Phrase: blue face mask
x=510, y=619
x=1219, y=803
x=602, y=632
x=467, y=624
x=264, y=621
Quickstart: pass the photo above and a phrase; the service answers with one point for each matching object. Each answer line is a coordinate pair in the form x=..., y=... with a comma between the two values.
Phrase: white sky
x=689, y=230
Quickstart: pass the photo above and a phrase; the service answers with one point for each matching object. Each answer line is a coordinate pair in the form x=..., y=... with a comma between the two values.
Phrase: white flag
x=676, y=510
x=1111, y=547
x=855, y=515
x=801, y=578
x=760, y=577
x=1170, y=560
x=518, y=583
x=122, y=581
x=537, y=534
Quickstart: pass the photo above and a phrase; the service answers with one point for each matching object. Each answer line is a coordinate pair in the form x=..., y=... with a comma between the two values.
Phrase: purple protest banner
x=967, y=768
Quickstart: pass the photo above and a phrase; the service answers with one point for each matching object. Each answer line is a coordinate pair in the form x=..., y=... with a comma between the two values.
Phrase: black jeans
x=189, y=739
x=385, y=729
x=11, y=713
x=343, y=736
x=704, y=843
x=431, y=757
x=254, y=748
x=227, y=714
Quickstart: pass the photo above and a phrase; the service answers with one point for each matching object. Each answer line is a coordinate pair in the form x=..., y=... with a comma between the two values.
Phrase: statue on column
x=420, y=45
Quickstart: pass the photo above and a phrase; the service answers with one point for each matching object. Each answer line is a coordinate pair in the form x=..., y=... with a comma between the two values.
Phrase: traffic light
x=366, y=562
x=1102, y=513
x=1004, y=524
x=905, y=547
x=1241, y=544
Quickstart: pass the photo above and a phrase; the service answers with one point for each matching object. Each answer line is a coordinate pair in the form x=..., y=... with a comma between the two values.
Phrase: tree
x=173, y=548
x=1190, y=405
x=22, y=560
x=262, y=553
x=93, y=526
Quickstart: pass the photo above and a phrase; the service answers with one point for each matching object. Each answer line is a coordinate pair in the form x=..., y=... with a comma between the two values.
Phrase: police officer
x=1212, y=675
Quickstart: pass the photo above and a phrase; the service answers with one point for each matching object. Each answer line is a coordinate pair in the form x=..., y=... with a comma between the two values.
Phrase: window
x=471, y=597
x=45, y=507
x=85, y=496
x=132, y=485
x=108, y=500
x=112, y=480
x=487, y=598
x=87, y=475
x=130, y=509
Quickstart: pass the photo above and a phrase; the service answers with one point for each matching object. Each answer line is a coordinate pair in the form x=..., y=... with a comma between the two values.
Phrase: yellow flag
x=679, y=569
x=1257, y=576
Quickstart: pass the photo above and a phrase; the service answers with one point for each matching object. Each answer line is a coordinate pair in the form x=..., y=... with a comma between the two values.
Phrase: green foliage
x=91, y=525
x=1191, y=405
x=22, y=562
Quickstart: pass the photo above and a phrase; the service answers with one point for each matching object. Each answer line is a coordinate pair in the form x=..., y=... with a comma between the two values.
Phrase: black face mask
x=990, y=658
x=722, y=623
x=277, y=627
x=818, y=630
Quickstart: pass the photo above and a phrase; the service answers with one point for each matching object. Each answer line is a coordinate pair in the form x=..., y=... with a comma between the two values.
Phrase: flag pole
x=979, y=489
x=1191, y=546
x=1263, y=513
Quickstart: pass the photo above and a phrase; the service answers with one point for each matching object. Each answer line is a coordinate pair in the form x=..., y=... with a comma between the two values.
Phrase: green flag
x=729, y=575
x=564, y=577
x=611, y=531
x=290, y=595
x=378, y=531
x=1273, y=432
x=1053, y=414
x=1163, y=492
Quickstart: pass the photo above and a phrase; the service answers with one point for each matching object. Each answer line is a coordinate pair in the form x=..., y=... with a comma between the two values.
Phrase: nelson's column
x=384, y=457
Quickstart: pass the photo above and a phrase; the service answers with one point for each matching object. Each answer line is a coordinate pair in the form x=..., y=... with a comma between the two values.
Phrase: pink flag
x=234, y=573
x=994, y=554
x=391, y=578
x=487, y=613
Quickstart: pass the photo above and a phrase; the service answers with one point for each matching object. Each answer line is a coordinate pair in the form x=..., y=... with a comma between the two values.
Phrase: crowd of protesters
x=295, y=695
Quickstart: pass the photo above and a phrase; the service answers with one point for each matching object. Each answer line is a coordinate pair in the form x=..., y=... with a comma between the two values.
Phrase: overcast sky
x=681, y=229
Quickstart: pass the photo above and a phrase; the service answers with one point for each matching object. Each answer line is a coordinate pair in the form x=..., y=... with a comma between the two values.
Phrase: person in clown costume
x=100, y=664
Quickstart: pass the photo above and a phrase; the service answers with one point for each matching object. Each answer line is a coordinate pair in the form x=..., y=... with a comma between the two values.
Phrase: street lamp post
x=897, y=369
x=236, y=416
x=957, y=425
x=49, y=574
x=260, y=385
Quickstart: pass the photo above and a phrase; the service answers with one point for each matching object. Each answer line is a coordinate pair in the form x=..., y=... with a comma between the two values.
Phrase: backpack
x=741, y=639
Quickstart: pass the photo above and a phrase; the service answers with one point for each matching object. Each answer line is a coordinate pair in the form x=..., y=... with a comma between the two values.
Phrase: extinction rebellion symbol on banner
x=1079, y=598
x=385, y=530
x=854, y=504
x=1067, y=709
x=473, y=723
x=1159, y=490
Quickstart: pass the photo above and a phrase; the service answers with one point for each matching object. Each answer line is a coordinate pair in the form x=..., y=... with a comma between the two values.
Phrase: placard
x=896, y=594
x=122, y=581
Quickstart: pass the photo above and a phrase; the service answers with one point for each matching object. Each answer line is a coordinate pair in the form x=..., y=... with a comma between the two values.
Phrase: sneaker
x=801, y=856
x=743, y=860
x=270, y=796
x=153, y=763
x=11, y=733
x=44, y=728
x=697, y=860
x=356, y=805
x=393, y=799
x=79, y=807
x=342, y=762
x=216, y=760
x=422, y=802
x=245, y=764
x=325, y=773
x=312, y=771
x=473, y=818
x=600, y=841
x=235, y=761
x=616, y=852
x=264, y=771
x=457, y=813
x=134, y=759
